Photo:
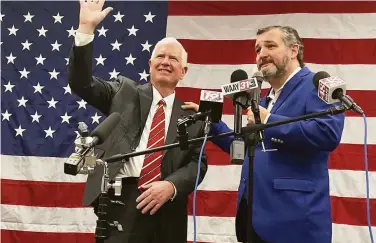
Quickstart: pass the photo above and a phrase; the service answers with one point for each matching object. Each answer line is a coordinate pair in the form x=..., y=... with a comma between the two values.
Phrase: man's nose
x=263, y=53
x=165, y=61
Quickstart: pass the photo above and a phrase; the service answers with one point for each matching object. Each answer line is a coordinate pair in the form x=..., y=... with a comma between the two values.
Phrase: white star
x=49, y=132
x=149, y=17
x=6, y=115
x=10, y=58
x=52, y=103
x=1, y=16
x=130, y=59
x=35, y=117
x=65, y=118
x=53, y=74
x=102, y=31
x=116, y=45
x=67, y=89
x=146, y=46
x=95, y=118
x=81, y=104
x=118, y=17
x=40, y=59
x=100, y=60
x=72, y=32
x=132, y=31
x=67, y=60
x=8, y=87
x=114, y=74
x=12, y=31
x=144, y=75
x=24, y=73
x=55, y=46
x=19, y=131
x=28, y=17
x=58, y=18
x=26, y=45
x=77, y=134
x=38, y=88
x=42, y=31
x=22, y=102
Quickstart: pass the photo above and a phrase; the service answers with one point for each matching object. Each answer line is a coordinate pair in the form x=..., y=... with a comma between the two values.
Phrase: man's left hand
x=251, y=117
x=155, y=195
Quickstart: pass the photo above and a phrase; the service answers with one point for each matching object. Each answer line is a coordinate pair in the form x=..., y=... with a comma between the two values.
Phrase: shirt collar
x=169, y=100
x=272, y=94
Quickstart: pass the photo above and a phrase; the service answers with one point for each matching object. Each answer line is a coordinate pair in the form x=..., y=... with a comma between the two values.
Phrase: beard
x=275, y=69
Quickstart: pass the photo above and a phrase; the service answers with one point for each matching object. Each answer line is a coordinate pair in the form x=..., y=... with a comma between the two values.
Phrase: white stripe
x=152, y=161
x=156, y=125
x=347, y=183
x=242, y=27
x=212, y=229
x=353, y=132
x=151, y=146
x=357, y=77
x=51, y=219
x=150, y=180
x=351, y=234
x=52, y=169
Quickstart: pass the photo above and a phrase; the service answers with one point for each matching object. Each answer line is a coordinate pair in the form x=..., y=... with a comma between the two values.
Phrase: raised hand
x=91, y=14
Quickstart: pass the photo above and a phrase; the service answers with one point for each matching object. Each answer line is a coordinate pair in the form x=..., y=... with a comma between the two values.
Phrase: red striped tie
x=151, y=169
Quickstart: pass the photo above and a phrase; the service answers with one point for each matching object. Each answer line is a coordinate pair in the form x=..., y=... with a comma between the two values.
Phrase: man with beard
x=291, y=202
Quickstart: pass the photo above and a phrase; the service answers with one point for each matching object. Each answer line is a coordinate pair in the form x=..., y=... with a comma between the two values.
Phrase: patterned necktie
x=151, y=169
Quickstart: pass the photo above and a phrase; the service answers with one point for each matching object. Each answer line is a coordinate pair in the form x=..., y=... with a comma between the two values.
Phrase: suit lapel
x=289, y=87
x=176, y=113
x=146, y=98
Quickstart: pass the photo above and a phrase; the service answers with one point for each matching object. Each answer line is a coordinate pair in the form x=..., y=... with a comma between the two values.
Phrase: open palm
x=91, y=13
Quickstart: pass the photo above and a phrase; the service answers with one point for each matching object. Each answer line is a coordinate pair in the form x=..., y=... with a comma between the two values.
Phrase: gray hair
x=184, y=57
x=290, y=37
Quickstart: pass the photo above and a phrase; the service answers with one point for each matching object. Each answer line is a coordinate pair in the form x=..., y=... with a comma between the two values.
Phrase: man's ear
x=185, y=70
x=294, y=50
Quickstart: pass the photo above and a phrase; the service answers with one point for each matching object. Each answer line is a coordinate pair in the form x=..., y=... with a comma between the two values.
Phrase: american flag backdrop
x=39, y=113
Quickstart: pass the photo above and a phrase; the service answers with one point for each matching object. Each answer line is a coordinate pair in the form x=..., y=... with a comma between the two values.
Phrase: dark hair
x=290, y=37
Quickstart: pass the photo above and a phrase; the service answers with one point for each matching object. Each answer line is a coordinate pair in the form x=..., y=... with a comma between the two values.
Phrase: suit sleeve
x=184, y=179
x=323, y=133
x=223, y=142
x=94, y=90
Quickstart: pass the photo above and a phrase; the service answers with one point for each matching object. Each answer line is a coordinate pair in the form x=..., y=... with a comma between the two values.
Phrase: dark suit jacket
x=132, y=101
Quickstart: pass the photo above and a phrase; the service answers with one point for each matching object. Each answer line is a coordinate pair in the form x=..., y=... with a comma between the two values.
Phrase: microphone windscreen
x=318, y=76
x=105, y=128
x=259, y=77
x=238, y=75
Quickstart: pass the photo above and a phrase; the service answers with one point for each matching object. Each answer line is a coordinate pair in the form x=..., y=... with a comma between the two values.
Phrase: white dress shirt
x=133, y=167
x=273, y=96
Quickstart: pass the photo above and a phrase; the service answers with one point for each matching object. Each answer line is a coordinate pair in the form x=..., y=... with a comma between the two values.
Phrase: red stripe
x=15, y=236
x=331, y=51
x=54, y=194
x=361, y=97
x=345, y=157
x=221, y=8
x=42, y=194
x=350, y=211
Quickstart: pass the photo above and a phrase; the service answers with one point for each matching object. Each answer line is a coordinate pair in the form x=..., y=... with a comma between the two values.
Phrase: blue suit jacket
x=291, y=202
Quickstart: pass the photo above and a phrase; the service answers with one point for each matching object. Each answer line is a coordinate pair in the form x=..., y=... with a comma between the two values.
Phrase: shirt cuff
x=175, y=192
x=266, y=118
x=82, y=39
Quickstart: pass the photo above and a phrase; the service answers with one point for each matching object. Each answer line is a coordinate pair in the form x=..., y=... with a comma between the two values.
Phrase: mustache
x=265, y=61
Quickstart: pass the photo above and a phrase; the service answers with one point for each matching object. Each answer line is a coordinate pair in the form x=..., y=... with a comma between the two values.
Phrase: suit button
x=244, y=180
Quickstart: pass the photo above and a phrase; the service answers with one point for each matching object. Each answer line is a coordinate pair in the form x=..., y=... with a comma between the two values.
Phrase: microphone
x=84, y=155
x=211, y=103
x=333, y=90
x=237, y=90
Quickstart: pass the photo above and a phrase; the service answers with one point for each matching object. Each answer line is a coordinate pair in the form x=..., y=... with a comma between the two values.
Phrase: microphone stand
x=250, y=133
